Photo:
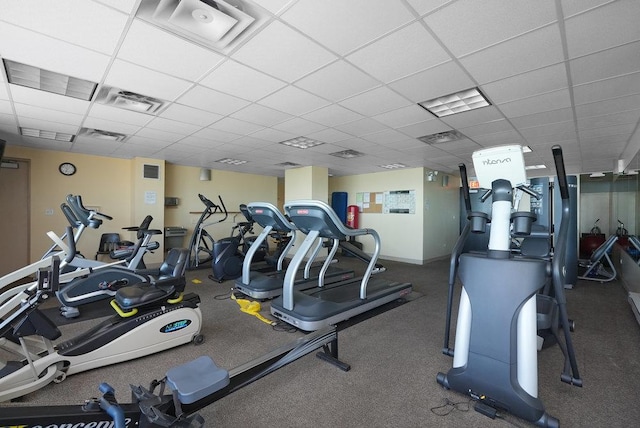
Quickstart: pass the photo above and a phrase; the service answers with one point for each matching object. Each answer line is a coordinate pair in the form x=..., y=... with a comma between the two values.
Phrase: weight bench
x=594, y=267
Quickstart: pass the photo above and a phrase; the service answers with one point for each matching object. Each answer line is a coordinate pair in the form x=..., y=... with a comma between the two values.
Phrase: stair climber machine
x=260, y=285
x=500, y=310
x=150, y=317
x=201, y=242
x=323, y=305
x=229, y=253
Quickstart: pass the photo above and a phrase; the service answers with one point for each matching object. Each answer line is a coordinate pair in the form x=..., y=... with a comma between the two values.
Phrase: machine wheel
x=198, y=339
x=61, y=377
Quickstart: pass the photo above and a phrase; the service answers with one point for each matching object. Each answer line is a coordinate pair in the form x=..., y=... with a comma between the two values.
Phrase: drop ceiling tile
x=614, y=105
x=611, y=25
x=241, y=81
x=473, y=117
x=161, y=51
x=427, y=127
x=361, y=127
x=6, y=118
x=124, y=5
x=528, y=52
x=173, y=126
x=536, y=104
x=132, y=77
x=353, y=23
x=35, y=97
x=387, y=62
x=145, y=142
x=115, y=114
x=506, y=137
x=376, y=101
x=603, y=65
x=236, y=126
x=216, y=102
x=404, y=116
x=626, y=117
x=337, y=81
x=434, y=82
x=273, y=6
x=423, y=7
x=216, y=135
x=573, y=7
x=4, y=94
x=329, y=135
x=251, y=142
x=261, y=115
x=386, y=137
x=283, y=53
x=524, y=85
x=333, y=115
x=25, y=110
x=188, y=114
x=299, y=126
x=608, y=131
x=490, y=20
x=293, y=101
x=202, y=142
x=561, y=130
x=486, y=128
x=73, y=21
x=607, y=89
x=273, y=135
x=545, y=117
x=37, y=50
x=39, y=143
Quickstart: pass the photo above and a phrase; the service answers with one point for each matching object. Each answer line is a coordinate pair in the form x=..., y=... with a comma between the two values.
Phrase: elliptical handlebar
x=465, y=187
x=82, y=213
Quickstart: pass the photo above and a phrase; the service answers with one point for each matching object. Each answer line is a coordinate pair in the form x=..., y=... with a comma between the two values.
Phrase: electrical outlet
x=48, y=211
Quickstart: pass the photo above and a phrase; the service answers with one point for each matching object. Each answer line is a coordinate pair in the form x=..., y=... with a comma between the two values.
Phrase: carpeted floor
x=394, y=358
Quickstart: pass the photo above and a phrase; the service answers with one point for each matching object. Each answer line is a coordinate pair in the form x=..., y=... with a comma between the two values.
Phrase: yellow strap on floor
x=251, y=308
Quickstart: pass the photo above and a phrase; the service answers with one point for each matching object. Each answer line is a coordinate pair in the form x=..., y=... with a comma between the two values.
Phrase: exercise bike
x=150, y=317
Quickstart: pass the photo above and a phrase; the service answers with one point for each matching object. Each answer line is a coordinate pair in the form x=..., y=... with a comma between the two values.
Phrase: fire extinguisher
x=352, y=216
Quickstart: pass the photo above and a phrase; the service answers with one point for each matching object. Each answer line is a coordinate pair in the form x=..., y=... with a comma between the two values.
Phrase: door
x=14, y=215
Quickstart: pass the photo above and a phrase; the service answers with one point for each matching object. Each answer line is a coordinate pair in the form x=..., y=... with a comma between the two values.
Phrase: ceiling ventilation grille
x=347, y=154
x=215, y=24
x=129, y=100
x=102, y=135
x=288, y=164
x=441, y=137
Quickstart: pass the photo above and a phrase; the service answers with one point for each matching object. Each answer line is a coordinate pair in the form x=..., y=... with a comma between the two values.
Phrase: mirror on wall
x=609, y=204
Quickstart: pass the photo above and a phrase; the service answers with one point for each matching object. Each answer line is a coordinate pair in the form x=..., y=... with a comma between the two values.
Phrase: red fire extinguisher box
x=352, y=216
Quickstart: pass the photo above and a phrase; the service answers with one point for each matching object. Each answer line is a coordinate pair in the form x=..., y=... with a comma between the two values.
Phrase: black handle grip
x=465, y=187
x=560, y=171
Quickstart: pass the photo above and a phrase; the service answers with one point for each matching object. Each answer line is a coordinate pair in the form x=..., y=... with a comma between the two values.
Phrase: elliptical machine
x=495, y=357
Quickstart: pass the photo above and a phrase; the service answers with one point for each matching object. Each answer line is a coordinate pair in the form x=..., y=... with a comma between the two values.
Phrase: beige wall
x=413, y=238
x=104, y=183
x=116, y=187
x=234, y=188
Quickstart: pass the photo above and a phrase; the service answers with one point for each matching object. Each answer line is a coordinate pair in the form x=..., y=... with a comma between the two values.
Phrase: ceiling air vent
x=215, y=24
x=102, y=135
x=441, y=137
x=347, y=154
x=129, y=100
x=288, y=164
x=151, y=171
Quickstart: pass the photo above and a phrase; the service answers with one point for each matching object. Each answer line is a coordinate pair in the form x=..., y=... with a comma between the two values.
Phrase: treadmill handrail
x=336, y=224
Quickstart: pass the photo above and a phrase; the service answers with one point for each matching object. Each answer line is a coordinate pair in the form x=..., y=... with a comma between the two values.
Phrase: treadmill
x=261, y=285
x=315, y=308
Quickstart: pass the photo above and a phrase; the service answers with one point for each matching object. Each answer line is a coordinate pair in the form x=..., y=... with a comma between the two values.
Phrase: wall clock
x=67, y=168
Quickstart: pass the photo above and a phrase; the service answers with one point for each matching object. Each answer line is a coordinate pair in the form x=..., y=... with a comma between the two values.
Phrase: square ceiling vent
x=441, y=137
x=128, y=100
x=217, y=24
x=102, y=135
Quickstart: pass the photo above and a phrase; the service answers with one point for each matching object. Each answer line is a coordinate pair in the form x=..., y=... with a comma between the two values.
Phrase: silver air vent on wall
x=151, y=171
x=129, y=100
x=215, y=24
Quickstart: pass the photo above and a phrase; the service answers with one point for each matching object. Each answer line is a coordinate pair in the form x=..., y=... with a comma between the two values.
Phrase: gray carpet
x=394, y=359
